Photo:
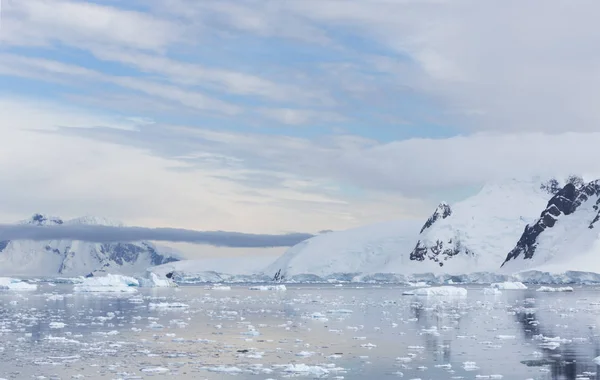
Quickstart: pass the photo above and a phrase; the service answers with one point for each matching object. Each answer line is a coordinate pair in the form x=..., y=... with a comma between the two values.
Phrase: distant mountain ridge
x=75, y=258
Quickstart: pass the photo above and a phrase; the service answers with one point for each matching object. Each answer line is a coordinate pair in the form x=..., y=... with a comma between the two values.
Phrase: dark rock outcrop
x=565, y=202
x=437, y=252
x=441, y=212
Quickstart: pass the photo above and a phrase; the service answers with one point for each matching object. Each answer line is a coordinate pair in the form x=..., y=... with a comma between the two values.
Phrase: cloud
x=53, y=71
x=110, y=234
x=530, y=72
x=413, y=168
x=228, y=81
x=43, y=22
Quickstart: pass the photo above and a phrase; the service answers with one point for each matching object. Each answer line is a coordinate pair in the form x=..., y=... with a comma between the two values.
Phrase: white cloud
x=41, y=22
x=54, y=71
x=229, y=81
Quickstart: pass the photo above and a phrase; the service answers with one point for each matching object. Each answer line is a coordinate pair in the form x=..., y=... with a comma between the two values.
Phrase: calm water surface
x=349, y=332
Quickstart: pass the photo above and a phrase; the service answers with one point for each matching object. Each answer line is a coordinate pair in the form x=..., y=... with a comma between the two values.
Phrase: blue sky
x=269, y=116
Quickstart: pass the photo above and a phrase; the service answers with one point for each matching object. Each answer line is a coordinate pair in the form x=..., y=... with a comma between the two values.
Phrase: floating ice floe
x=446, y=291
x=551, y=289
x=112, y=283
x=269, y=287
x=509, y=285
x=305, y=370
x=7, y=283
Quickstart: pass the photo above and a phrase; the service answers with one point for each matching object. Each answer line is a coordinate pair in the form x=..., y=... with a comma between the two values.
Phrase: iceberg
x=112, y=283
x=443, y=291
x=7, y=283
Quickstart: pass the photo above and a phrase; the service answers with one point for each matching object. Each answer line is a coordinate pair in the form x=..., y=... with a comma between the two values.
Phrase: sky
x=275, y=117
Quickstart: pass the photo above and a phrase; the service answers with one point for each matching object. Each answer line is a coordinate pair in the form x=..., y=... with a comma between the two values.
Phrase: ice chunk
x=445, y=291
x=306, y=370
x=551, y=289
x=509, y=285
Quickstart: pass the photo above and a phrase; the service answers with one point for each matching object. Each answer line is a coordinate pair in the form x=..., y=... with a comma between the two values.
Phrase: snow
x=570, y=245
x=484, y=227
x=359, y=250
x=443, y=291
x=7, y=283
x=234, y=265
x=113, y=283
x=509, y=285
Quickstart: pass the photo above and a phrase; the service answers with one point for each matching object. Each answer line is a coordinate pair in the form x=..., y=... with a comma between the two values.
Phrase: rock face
x=574, y=198
x=74, y=258
x=436, y=252
x=441, y=212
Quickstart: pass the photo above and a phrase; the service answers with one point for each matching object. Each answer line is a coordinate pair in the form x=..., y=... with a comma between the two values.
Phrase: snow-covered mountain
x=359, y=250
x=565, y=237
x=475, y=234
x=74, y=258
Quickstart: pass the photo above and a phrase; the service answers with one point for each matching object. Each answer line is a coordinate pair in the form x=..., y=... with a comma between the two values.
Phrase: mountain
x=75, y=258
x=358, y=250
x=565, y=236
x=475, y=234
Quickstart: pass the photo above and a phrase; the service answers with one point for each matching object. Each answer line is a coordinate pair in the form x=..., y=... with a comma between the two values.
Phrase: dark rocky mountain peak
x=442, y=211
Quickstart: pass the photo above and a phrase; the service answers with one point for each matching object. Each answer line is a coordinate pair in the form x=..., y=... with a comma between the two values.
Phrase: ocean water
x=335, y=332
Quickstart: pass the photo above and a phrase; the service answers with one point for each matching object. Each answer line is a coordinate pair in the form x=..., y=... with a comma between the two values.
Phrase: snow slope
x=236, y=265
x=359, y=250
x=475, y=234
x=75, y=258
x=565, y=237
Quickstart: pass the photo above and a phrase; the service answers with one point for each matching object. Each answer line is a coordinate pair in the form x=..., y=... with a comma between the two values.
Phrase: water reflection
x=566, y=362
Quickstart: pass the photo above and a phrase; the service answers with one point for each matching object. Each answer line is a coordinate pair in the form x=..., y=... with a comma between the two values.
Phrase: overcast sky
x=270, y=116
